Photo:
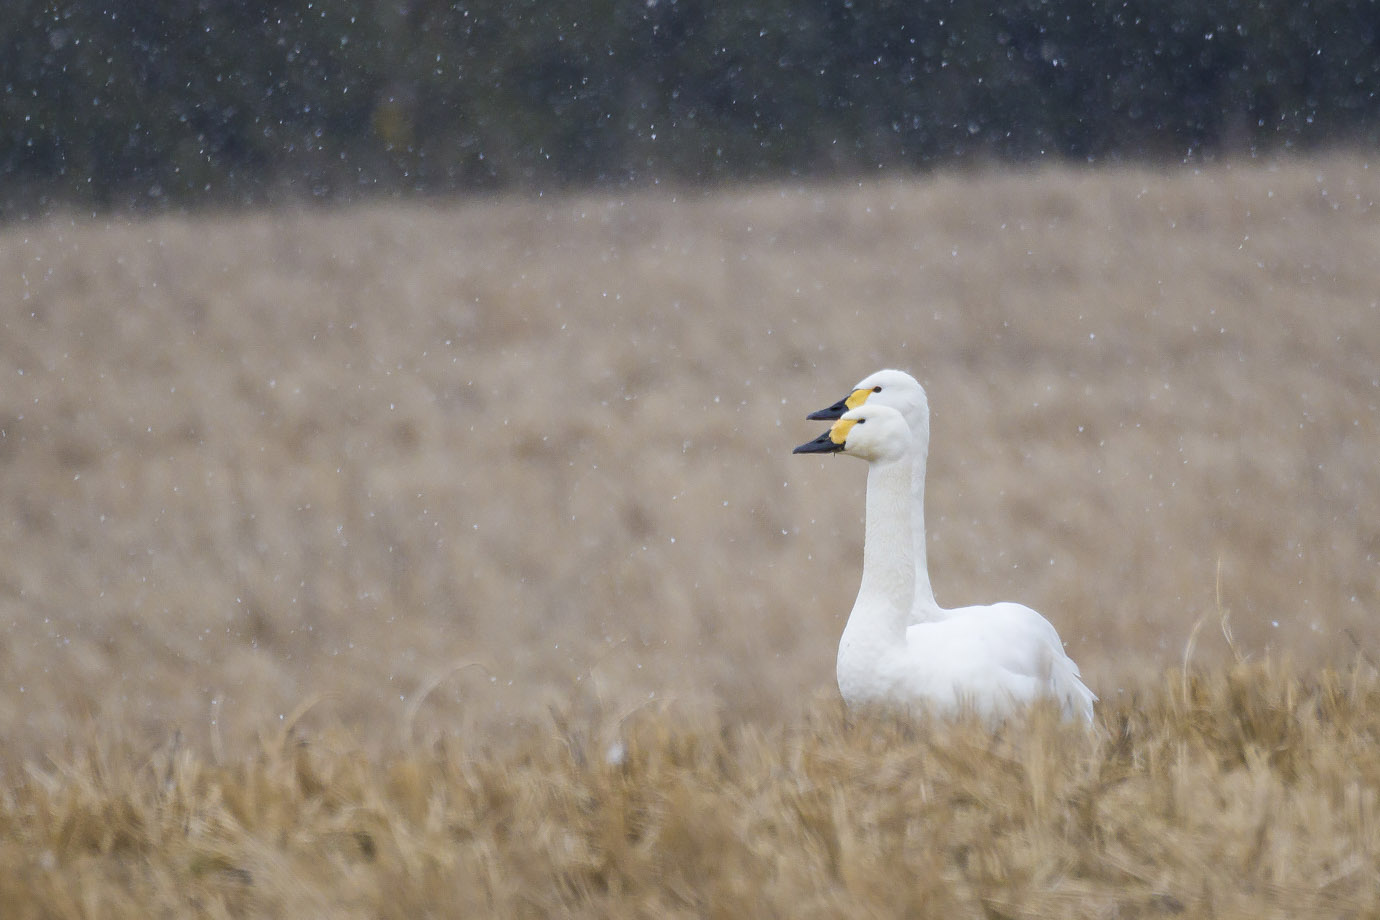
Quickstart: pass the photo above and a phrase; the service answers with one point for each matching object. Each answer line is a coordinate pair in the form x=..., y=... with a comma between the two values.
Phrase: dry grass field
x=450, y=560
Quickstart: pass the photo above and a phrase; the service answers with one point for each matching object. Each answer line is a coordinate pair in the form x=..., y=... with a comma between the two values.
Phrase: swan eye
x=876, y=389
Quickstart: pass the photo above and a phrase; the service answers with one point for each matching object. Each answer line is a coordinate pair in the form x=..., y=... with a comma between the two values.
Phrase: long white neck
x=924, y=593
x=888, y=577
x=877, y=626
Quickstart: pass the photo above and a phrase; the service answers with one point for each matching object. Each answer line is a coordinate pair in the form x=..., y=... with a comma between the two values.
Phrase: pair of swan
x=899, y=645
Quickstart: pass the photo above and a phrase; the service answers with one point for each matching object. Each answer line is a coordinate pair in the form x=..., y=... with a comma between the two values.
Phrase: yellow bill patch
x=838, y=432
x=857, y=398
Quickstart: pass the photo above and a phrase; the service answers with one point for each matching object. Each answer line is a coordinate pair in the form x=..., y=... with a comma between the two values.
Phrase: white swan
x=903, y=393
x=899, y=645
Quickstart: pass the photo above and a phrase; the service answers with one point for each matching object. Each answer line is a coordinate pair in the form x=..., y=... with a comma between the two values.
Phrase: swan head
x=875, y=433
x=893, y=388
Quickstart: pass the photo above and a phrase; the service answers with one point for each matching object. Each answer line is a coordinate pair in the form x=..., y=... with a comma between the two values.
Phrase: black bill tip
x=828, y=415
x=820, y=445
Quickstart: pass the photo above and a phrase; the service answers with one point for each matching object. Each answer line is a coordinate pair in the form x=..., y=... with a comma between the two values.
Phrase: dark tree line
x=188, y=101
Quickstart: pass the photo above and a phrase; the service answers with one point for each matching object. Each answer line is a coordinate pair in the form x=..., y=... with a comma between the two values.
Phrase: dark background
x=152, y=105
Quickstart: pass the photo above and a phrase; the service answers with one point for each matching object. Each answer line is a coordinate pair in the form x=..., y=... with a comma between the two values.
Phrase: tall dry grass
x=1245, y=794
x=416, y=477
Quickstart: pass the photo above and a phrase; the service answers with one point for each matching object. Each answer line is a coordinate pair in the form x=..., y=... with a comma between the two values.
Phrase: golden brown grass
x=339, y=549
x=1245, y=794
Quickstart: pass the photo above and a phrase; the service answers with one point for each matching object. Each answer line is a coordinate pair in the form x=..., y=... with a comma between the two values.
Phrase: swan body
x=899, y=645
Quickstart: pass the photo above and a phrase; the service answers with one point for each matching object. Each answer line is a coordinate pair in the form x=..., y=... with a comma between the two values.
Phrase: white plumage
x=899, y=645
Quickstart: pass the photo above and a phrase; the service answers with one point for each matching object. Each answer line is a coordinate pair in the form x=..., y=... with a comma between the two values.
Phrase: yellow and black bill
x=831, y=442
x=851, y=401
